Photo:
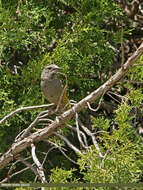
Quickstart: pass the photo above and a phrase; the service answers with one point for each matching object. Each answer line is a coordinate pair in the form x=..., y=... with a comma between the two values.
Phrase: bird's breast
x=52, y=89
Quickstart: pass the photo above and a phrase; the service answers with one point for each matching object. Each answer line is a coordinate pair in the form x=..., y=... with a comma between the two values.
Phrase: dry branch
x=18, y=147
x=62, y=150
x=23, y=109
x=40, y=169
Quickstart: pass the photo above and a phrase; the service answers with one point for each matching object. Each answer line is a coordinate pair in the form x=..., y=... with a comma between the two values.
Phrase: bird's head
x=50, y=72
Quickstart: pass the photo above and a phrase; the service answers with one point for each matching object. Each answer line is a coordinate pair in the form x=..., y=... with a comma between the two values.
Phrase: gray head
x=50, y=72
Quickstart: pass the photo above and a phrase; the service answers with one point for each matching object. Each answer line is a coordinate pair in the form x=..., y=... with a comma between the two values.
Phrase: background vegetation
x=83, y=38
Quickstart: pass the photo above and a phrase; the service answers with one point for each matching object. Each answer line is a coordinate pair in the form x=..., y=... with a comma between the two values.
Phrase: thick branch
x=44, y=133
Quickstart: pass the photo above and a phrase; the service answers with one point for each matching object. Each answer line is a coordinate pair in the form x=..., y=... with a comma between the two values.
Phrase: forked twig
x=60, y=149
x=78, y=134
x=68, y=143
x=93, y=138
x=26, y=131
x=23, y=109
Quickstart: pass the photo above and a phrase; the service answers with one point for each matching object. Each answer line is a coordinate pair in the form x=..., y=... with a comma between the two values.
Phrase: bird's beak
x=56, y=68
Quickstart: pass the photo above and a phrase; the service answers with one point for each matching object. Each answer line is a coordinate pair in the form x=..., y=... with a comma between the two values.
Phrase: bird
x=53, y=88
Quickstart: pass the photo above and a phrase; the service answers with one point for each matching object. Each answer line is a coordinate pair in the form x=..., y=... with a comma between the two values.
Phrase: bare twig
x=102, y=163
x=40, y=117
x=38, y=164
x=61, y=150
x=117, y=95
x=135, y=82
x=99, y=104
x=11, y=168
x=92, y=109
x=47, y=154
x=46, y=113
x=29, y=166
x=14, y=174
x=68, y=143
x=138, y=65
x=112, y=47
x=25, y=132
x=45, y=159
x=113, y=98
x=93, y=138
x=78, y=134
x=23, y=109
x=81, y=133
x=19, y=158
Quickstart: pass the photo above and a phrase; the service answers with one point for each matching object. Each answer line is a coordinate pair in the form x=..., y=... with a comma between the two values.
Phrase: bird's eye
x=47, y=69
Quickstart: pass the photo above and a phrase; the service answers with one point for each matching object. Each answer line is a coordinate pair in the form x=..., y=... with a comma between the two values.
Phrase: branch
x=29, y=166
x=80, y=133
x=47, y=131
x=93, y=139
x=84, y=144
x=76, y=150
x=40, y=169
x=23, y=109
x=26, y=131
x=62, y=151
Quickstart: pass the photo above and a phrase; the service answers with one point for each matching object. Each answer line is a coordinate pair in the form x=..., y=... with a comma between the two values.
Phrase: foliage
x=122, y=150
x=61, y=175
x=78, y=36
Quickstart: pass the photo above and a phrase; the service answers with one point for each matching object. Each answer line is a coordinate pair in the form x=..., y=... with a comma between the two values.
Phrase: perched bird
x=53, y=87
